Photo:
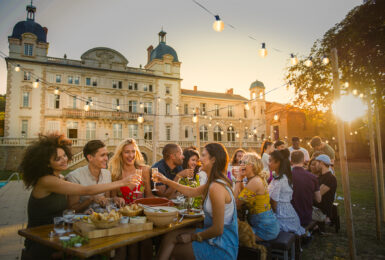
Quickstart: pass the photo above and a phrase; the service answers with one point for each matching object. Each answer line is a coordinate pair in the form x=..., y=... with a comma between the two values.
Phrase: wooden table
x=100, y=245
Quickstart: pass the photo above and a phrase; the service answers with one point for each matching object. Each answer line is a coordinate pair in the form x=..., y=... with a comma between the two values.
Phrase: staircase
x=77, y=158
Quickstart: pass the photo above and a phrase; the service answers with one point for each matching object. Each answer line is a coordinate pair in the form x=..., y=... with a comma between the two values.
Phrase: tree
x=360, y=42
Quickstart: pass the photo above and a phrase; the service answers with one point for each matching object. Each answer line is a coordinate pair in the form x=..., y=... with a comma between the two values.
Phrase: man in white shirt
x=295, y=147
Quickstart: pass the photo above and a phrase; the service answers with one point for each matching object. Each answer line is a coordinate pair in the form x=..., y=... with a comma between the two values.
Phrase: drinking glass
x=58, y=225
x=68, y=216
x=139, y=173
x=154, y=170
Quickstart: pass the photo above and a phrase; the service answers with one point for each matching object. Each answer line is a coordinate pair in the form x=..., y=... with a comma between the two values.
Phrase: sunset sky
x=213, y=61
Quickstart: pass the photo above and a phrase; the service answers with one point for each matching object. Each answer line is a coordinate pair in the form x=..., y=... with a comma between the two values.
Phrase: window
x=117, y=131
x=230, y=134
x=58, y=78
x=74, y=102
x=150, y=88
x=135, y=86
x=57, y=101
x=186, y=130
x=72, y=130
x=53, y=127
x=253, y=96
x=216, y=109
x=168, y=90
x=133, y=131
x=132, y=106
x=148, y=132
x=88, y=81
x=24, y=128
x=120, y=84
x=27, y=75
x=185, y=108
x=230, y=111
x=77, y=80
x=203, y=133
x=168, y=109
x=244, y=113
x=94, y=82
x=217, y=134
x=28, y=49
x=70, y=80
x=168, y=133
x=90, y=130
x=53, y=101
x=26, y=99
x=130, y=86
x=114, y=84
x=147, y=108
x=203, y=108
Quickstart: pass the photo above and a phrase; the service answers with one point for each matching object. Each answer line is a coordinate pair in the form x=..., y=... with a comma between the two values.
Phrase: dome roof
x=161, y=50
x=256, y=84
x=29, y=26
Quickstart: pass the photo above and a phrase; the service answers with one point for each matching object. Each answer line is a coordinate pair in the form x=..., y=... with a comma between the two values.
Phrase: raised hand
x=158, y=177
x=189, y=173
x=133, y=179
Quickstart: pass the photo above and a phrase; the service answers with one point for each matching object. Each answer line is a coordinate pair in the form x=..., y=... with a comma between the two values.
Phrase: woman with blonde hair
x=255, y=195
x=126, y=161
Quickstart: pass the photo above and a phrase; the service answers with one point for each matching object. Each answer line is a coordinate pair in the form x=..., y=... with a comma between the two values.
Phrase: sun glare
x=349, y=108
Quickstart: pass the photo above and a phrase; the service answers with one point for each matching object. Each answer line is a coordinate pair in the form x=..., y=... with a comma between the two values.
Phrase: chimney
x=230, y=91
x=149, y=50
x=195, y=88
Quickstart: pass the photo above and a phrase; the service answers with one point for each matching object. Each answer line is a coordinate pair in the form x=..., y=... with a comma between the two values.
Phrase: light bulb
x=91, y=103
x=195, y=118
x=346, y=84
x=325, y=60
x=247, y=107
x=333, y=138
x=355, y=92
x=276, y=117
x=351, y=133
x=355, y=132
x=35, y=84
x=237, y=135
x=230, y=128
x=56, y=91
x=158, y=99
x=17, y=68
x=222, y=132
x=210, y=118
x=255, y=130
x=141, y=105
x=86, y=107
x=293, y=59
x=118, y=107
x=209, y=124
x=177, y=107
x=308, y=62
x=263, y=51
x=327, y=141
x=140, y=119
x=218, y=25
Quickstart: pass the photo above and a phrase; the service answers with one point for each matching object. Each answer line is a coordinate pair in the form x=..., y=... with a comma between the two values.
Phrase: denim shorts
x=265, y=225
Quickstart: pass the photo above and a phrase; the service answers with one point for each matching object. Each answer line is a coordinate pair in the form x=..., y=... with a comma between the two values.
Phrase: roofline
x=240, y=98
x=92, y=68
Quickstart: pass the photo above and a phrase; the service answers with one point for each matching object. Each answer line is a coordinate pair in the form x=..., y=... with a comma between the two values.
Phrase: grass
x=335, y=246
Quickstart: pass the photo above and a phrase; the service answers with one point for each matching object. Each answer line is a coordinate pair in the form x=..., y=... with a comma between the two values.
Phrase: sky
x=210, y=60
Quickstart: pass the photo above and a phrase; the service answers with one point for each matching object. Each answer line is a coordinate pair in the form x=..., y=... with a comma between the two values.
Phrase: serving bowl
x=154, y=202
x=161, y=216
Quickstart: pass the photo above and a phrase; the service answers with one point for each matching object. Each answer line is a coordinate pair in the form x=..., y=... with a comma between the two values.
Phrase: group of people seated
x=277, y=191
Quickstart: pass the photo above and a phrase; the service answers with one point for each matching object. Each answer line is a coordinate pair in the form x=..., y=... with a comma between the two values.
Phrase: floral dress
x=129, y=195
x=195, y=183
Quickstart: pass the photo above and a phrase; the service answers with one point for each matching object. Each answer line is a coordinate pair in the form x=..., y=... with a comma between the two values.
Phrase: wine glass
x=154, y=171
x=68, y=216
x=139, y=173
x=58, y=225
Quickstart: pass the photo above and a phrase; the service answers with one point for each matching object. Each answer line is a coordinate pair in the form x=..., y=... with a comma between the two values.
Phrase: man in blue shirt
x=171, y=167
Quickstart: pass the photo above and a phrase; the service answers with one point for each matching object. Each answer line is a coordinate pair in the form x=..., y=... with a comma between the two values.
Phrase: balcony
x=92, y=114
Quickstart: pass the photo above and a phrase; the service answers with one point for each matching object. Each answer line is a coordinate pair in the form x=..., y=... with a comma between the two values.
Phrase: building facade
x=100, y=97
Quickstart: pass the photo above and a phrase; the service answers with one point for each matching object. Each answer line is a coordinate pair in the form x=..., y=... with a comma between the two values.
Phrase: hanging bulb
x=346, y=84
x=231, y=128
x=276, y=117
x=355, y=92
x=333, y=138
x=91, y=103
x=141, y=105
x=361, y=95
x=247, y=107
x=222, y=132
x=87, y=106
x=325, y=60
x=140, y=119
x=351, y=133
x=263, y=51
x=195, y=118
x=231, y=124
x=255, y=130
x=355, y=132
x=56, y=91
x=205, y=117
x=118, y=107
x=240, y=121
x=177, y=107
x=17, y=68
x=327, y=141
x=209, y=124
x=293, y=59
x=158, y=99
x=35, y=84
x=237, y=135
x=210, y=118
x=309, y=62
x=218, y=25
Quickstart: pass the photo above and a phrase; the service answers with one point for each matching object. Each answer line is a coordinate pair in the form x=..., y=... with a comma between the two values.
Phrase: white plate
x=183, y=212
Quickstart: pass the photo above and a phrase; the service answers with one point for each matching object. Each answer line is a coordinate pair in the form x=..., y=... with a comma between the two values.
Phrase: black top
x=326, y=204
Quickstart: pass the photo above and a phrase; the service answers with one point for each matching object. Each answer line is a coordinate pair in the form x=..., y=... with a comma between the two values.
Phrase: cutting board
x=90, y=231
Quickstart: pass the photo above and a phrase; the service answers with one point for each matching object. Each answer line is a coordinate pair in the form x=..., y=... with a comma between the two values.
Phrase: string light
x=255, y=130
x=346, y=84
x=327, y=141
x=56, y=91
x=237, y=135
x=333, y=138
x=17, y=68
x=293, y=59
x=118, y=107
x=91, y=103
x=210, y=118
x=309, y=62
x=140, y=119
x=35, y=84
x=177, y=107
x=361, y=95
x=355, y=92
x=158, y=99
x=222, y=132
x=209, y=124
x=276, y=117
x=263, y=51
x=247, y=107
x=325, y=60
x=141, y=105
x=355, y=132
x=218, y=25
x=351, y=133
x=87, y=106
x=195, y=118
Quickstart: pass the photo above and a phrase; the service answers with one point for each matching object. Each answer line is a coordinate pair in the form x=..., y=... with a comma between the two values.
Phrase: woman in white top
x=266, y=149
x=219, y=237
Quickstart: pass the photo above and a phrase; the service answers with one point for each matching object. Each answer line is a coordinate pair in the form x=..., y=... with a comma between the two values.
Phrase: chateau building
x=100, y=97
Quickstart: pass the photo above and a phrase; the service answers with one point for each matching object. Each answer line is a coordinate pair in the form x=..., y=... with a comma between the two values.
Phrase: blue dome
x=29, y=26
x=161, y=50
x=256, y=84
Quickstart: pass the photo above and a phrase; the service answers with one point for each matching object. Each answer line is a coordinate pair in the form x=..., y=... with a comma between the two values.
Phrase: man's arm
x=75, y=204
x=323, y=189
x=317, y=196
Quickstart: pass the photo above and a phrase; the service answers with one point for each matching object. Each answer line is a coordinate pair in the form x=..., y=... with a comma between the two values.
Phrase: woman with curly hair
x=41, y=169
x=255, y=195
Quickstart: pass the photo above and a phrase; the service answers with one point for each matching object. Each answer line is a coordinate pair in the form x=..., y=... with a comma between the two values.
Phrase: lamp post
x=343, y=160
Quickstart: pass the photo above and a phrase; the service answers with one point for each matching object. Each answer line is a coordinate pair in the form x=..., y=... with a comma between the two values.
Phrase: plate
x=194, y=214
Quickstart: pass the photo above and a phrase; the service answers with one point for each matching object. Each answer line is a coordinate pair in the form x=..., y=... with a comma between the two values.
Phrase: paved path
x=13, y=216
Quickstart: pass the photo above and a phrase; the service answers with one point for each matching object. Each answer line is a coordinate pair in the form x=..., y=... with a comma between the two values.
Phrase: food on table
x=105, y=220
x=131, y=210
x=138, y=220
x=76, y=241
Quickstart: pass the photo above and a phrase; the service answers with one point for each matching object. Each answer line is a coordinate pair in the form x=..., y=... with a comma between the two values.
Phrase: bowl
x=154, y=202
x=162, y=219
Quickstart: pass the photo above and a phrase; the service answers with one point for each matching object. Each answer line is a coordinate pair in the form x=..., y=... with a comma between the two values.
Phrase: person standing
x=279, y=145
x=317, y=145
x=266, y=149
x=305, y=189
x=296, y=147
x=237, y=156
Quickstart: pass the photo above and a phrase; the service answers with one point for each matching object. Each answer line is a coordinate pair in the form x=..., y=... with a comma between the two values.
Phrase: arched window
x=203, y=133
x=231, y=134
x=217, y=134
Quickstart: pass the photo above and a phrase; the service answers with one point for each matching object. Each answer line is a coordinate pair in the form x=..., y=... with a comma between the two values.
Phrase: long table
x=100, y=245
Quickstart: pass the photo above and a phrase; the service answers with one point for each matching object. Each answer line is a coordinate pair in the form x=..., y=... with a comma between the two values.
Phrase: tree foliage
x=360, y=42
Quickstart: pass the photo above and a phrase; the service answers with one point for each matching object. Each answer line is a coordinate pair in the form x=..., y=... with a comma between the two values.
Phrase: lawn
x=335, y=246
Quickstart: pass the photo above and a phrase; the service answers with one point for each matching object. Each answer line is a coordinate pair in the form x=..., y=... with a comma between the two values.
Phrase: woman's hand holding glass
x=133, y=179
x=158, y=177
